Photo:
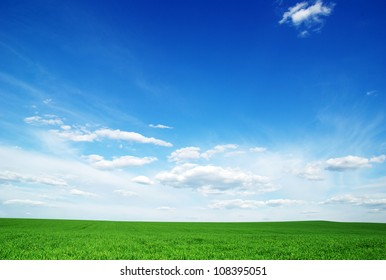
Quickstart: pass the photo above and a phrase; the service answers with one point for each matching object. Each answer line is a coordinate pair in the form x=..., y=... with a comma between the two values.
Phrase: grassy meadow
x=30, y=239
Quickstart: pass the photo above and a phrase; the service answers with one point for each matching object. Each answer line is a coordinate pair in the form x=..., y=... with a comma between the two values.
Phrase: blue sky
x=193, y=110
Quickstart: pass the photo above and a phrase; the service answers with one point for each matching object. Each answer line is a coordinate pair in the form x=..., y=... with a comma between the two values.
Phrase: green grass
x=25, y=239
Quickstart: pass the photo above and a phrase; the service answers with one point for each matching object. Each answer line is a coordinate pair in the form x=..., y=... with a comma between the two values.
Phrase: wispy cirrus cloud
x=78, y=133
x=32, y=179
x=307, y=17
x=26, y=87
x=161, y=126
x=46, y=120
x=24, y=202
x=372, y=93
x=84, y=135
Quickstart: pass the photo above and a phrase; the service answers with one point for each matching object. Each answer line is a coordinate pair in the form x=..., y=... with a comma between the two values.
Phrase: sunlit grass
x=103, y=240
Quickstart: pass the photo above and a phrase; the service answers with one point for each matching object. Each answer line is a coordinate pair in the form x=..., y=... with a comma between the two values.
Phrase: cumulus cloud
x=116, y=162
x=24, y=202
x=142, y=180
x=306, y=16
x=46, y=120
x=35, y=179
x=311, y=172
x=347, y=163
x=161, y=126
x=371, y=202
x=251, y=204
x=193, y=153
x=212, y=177
x=185, y=154
x=218, y=149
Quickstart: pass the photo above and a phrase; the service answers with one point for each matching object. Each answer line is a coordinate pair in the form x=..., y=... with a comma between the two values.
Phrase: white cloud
x=251, y=204
x=210, y=190
x=35, y=179
x=142, y=180
x=116, y=162
x=21, y=84
x=307, y=16
x=185, y=154
x=76, y=135
x=47, y=101
x=304, y=34
x=47, y=120
x=258, y=149
x=193, y=153
x=372, y=93
x=218, y=149
x=303, y=12
x=292, y=10
x=82, y=134
x=24, y=202
x=371, y=202
x=126, y=193
x=347, y=163
x=130, y=136
x=214, y=177
x=94, y=158
x=72, y=173
x=310, y=212
x=378, y=159
x=312, y=172
x=66, y=127
x=82, y=193
x=161, y=126
x=283, y=202
x=166, y=208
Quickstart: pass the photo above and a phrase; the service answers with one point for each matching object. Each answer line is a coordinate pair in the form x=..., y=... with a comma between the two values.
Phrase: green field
x=27, y=239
